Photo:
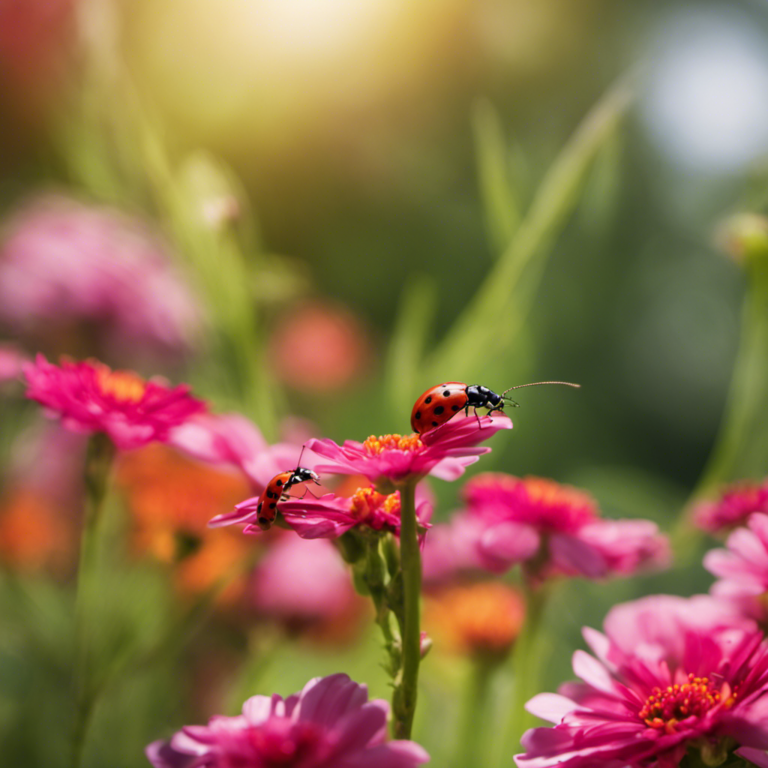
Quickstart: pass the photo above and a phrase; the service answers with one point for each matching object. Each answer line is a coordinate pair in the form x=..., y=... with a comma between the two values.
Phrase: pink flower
x=65, y=263
x=390, y=460
x=90, y=397
x=672, y=676
x=232, y=440
x=330, y=516
x=732, y=508
x=302, y=582
x=555, y=529
x=330, y=724
x=11, y=362
x=743, y=567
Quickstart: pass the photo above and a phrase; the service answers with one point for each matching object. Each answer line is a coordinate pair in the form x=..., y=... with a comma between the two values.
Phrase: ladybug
x=277, y=490
x=441, y=403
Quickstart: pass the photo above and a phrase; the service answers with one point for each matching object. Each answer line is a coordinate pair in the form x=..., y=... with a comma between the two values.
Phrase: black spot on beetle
x=271, y=495
x=279, y=482
x=418, y=415
x=455, y=408
x=438, y=410
x=273, y=505
x=428, y=400
x=447, y=393
x=263, y=521
x=435, y=424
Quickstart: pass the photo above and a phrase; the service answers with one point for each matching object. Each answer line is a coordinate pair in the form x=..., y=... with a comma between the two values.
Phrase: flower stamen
x=123, y=386
x=375, y=446
x=666, y=707
x=366, y=501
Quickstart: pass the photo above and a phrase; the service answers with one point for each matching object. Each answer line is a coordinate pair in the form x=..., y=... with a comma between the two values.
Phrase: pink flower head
x=302, y=581
x=743, y=567
x=732, y=508
x=65, y=263
x=329, y=724
x=90, y=397
x=330, y=516
x=390, y=460
x=11, y=362
x=555, y=529
x=672, y=676
x=231, y=440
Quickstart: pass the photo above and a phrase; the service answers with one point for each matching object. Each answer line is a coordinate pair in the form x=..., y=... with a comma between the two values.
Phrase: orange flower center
x=124, y=386
x=478, y=619
x=366, y=501
x=666, y=707
x=549, y=492
x=374, y=446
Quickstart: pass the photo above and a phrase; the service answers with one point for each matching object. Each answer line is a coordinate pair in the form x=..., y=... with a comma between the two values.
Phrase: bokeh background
x=331, y=182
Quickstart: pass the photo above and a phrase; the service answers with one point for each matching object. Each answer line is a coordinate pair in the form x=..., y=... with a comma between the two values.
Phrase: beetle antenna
x=300, y=455
x=538, y=384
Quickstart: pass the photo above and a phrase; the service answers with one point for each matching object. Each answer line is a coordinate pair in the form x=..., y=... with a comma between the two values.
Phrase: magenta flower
x=390, y=460
x=302, y=582
x=732, y=508
x=65, y=263
x=330, y=516
x=672, y=676
x=330, y=724
x=743, y=567
x=555, y=529
x=90, y=397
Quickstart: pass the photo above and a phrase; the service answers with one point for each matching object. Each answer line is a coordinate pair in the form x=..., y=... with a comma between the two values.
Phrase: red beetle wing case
x=437, y=405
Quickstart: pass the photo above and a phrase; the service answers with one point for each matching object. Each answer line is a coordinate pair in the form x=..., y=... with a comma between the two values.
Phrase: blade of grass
x=501, y=204
x=494, y=315
x=406, y=349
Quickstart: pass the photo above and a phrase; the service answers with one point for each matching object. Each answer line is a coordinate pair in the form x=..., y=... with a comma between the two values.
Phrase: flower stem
x=98, y=462
x=404, y=699
x=474, y=717
x=526, y=663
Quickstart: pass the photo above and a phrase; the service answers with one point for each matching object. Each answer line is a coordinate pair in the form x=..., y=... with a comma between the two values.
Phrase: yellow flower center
x=124, y=386
x=366, y=501
x=374, y=446
x=666, y=707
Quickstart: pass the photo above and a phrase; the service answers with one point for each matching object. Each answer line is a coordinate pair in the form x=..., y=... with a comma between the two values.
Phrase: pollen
x=123, y=386
x=366, y=501
x=375, y=446
x=666, y=707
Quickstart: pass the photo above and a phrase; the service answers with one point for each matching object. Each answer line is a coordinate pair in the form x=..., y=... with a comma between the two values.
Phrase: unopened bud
x=744, y=237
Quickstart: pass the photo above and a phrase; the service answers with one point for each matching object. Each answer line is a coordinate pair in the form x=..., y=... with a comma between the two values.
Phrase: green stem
x=526, y=664
x=98, y=463
x=404, y=699
x=375, y=580
x=471, y=752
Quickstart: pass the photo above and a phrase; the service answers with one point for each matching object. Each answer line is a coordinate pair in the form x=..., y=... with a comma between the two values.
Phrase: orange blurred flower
x=481, y=619
x=171, y=498
x=33, y=532
x=319, y=347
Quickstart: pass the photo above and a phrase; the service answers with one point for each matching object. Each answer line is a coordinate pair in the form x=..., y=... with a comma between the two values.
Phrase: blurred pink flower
x=319, y=347
x=329, y=724
x=330, y=516
x=302, y=582
x=743, y=567
x=11, y=361
x=232, y=440
x=732, y=507
x=90, y=397
x=554, y=529
x=390, y=460
x=673, y=676
x=65, y=263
